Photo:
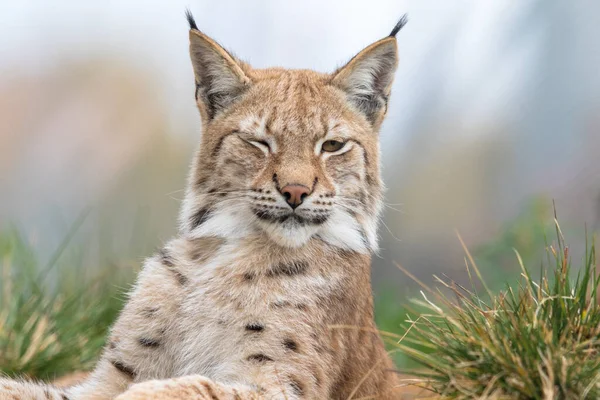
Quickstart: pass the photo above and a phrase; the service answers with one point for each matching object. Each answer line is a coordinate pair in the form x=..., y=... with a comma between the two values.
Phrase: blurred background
x=495, y=112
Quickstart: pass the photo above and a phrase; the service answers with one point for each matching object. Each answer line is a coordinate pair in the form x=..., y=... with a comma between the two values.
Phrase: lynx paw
x=184, y=388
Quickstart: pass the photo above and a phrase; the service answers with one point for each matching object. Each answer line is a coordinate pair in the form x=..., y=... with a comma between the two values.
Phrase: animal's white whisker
x=390, y=231
x=393, y=209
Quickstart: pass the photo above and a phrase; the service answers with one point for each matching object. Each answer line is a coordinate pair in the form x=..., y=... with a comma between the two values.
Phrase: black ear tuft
x=190, y=19
x=399, y=25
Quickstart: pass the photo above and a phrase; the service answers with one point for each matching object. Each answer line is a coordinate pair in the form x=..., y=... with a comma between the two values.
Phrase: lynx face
x=292, y=153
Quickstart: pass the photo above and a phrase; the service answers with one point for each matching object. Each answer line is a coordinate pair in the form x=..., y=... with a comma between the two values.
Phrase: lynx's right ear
x=220, y=77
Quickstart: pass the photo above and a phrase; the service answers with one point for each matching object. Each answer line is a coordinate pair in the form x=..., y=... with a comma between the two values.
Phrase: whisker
x=390, y=231
x=385, y=204
x=394, y=209
x=350, y=208
x=175, y=191
x=348, y=199
x=223, y=203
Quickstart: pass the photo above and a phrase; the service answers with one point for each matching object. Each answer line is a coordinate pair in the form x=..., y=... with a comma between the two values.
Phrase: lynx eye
x=261, y=144
x=331, y=146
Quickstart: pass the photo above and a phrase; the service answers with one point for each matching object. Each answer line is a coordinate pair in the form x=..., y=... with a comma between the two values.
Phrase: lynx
x=265, y=293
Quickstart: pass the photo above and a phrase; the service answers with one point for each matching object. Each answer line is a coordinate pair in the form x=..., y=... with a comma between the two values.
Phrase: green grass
x=53, y=318
x=536, y=340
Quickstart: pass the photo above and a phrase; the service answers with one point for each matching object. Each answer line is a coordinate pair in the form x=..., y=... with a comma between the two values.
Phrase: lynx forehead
x=291, y=153
x=277, y=228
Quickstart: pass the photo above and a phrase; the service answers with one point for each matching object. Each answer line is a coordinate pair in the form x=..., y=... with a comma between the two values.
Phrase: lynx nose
x=295, y=194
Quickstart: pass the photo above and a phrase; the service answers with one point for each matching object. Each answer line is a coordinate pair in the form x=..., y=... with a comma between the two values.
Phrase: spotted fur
x=257, y=297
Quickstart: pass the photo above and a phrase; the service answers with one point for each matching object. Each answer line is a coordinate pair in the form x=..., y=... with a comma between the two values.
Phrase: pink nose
x=295, y=194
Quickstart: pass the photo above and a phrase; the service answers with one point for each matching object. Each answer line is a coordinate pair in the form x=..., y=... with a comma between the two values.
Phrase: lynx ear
x=367, y=78
x=220, y=77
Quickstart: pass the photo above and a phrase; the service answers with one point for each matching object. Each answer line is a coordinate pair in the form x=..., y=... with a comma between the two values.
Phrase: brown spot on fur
x=290, y=344
x=125, y=370
x=181, y=278
x=169, y=262
x=202, y=249
x=288, y=269
x=255, y=327
x=165, y=258
x=149, y=312
x=147, y=342
x=261, y=389
x=281, y=304
x=210, y=391
x=260, y=358
x=297, y=386
x=276, y=182
x=201, y=181
x=200, y=217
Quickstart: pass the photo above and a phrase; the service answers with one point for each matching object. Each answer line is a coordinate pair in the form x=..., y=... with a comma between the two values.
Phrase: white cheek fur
x=344, y=231
x=230, y=221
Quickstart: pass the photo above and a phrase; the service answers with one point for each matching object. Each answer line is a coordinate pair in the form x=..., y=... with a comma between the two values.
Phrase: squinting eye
x=332, y=146
x=261, y=144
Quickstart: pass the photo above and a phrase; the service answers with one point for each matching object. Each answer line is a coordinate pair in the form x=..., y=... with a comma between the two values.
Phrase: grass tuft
x=51, y=323
x=537, y=340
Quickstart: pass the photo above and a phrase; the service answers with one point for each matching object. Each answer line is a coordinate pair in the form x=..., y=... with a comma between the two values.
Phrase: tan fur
x=254, y=300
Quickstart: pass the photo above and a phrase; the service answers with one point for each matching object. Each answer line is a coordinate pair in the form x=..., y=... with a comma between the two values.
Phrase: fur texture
x=255, y=298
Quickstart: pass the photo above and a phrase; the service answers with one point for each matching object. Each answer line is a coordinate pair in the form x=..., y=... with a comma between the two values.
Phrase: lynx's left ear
x=367, y=78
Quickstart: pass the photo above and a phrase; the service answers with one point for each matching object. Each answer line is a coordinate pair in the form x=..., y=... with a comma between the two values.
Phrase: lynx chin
x=265, y=293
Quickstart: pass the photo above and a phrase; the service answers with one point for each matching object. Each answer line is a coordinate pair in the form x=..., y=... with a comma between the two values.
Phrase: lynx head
x=290, y=153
